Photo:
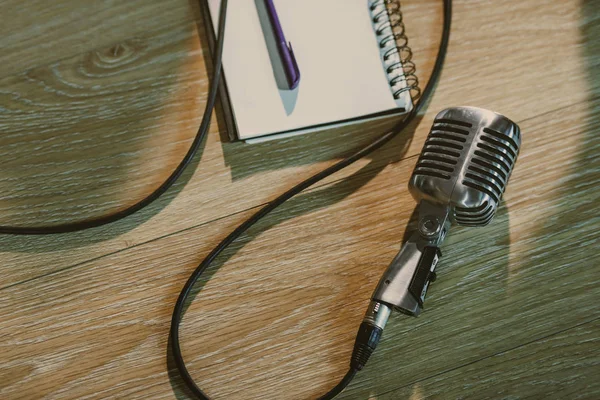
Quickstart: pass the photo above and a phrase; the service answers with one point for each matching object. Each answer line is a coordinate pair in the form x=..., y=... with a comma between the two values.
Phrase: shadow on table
x=243, y=160
x=247, y=160
x=304, y=203
x=579, y=217
x=121, y=152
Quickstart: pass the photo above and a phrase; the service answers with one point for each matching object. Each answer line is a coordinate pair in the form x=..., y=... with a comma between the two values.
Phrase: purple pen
x=290, y=66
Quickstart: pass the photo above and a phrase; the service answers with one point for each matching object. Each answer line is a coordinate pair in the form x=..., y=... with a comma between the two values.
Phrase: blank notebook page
x=342, y=76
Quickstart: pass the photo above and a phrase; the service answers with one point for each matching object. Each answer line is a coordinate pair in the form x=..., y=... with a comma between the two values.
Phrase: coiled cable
x=179, y=308
x=176, y=174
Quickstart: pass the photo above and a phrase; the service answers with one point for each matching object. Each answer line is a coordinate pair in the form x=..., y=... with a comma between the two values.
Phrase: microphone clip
x=404, y=284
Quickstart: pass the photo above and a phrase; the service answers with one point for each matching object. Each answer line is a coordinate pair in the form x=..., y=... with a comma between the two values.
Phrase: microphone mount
x=404, y=284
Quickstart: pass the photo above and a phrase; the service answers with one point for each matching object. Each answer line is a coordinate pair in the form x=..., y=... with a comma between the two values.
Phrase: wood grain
x=513, y=313
x=288, y=302
x=44, y=32
x=149, y=95
x=561, y=366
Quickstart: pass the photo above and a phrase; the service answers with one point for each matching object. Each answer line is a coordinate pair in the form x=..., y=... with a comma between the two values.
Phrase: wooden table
x=99, y=100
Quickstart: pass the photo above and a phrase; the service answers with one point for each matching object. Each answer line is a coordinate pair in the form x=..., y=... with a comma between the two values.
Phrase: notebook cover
x=226, y=109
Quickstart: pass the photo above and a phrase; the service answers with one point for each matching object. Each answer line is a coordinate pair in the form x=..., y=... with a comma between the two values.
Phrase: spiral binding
x=397, y=55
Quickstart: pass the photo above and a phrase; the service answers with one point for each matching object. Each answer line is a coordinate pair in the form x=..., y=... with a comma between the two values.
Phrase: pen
x=290, y=66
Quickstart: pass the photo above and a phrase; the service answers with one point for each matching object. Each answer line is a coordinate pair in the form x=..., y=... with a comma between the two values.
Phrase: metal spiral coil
x=390, y=29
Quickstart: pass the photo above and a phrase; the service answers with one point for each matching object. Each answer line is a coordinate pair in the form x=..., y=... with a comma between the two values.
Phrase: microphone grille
x=492, y=161
x=466, y=162
x=443, y=148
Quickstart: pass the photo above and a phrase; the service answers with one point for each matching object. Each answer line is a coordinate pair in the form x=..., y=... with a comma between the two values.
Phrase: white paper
x=338, y=55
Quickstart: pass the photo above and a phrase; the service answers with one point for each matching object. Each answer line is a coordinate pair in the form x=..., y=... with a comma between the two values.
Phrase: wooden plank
x=278, y=319
x=61, y=123
x=563, y=366
x=38, y=32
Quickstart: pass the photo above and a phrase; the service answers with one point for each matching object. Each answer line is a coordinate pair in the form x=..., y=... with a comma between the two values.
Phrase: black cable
x=189, y=156
x=340, y=386
x=185, y=292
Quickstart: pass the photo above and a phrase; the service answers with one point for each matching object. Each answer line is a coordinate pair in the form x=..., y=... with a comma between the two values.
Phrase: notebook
x=349, y=53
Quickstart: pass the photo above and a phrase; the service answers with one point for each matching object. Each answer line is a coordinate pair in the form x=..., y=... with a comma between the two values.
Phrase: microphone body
x=459, y=179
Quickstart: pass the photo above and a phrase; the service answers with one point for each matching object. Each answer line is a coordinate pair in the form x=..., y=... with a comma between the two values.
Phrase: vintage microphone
x=459, y=179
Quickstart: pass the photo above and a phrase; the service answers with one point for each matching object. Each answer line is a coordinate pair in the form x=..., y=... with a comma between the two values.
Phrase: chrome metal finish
x=466, y=162
x=393, y=288
x=434, y=222
x=459, y=178
x=377, y=314
x=429, y=226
